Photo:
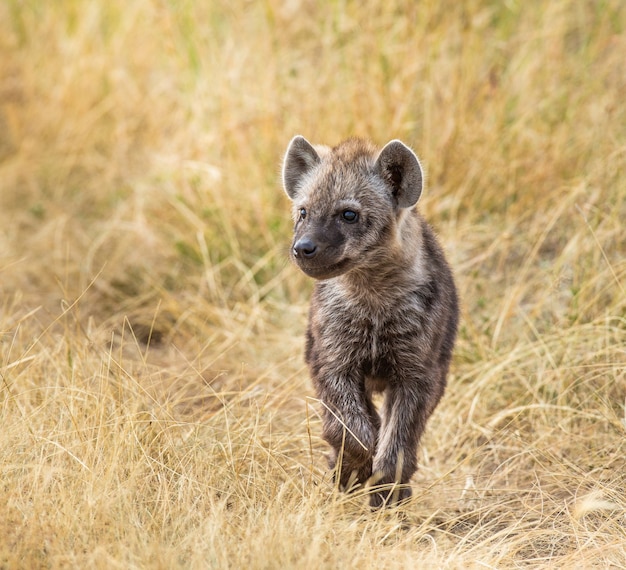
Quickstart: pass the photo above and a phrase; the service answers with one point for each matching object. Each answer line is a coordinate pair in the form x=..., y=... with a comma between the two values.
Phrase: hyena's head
x=347, y=202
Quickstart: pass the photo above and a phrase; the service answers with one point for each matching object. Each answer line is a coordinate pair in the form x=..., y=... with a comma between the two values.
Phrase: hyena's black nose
x=305, y=248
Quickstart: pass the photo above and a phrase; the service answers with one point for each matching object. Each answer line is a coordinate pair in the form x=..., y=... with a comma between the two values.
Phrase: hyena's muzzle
x=320, y=255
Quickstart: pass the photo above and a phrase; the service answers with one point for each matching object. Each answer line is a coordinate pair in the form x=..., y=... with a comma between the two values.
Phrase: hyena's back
x=384, y=310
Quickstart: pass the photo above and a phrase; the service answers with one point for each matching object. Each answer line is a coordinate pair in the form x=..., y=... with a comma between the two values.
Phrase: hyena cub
x=384, y=310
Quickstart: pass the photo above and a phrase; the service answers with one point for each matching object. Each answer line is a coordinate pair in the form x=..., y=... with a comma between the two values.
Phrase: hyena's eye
x=350, y=216
x=302, y=213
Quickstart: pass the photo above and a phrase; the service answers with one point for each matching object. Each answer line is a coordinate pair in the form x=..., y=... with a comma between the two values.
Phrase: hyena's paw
x=389, y=495
x=353, y=478
x=350, y=476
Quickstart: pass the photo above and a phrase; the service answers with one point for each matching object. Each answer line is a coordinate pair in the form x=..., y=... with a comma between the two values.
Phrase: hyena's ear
x=401, y=169
x=299, y=159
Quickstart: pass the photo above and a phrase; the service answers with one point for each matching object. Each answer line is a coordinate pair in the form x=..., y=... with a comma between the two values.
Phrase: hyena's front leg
x=405, y=413
x=350, y=426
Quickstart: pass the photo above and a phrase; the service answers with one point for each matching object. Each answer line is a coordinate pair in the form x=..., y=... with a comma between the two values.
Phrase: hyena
x=384, y=310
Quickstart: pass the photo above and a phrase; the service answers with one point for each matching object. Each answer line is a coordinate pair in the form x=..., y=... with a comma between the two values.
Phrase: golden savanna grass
x=155, y=409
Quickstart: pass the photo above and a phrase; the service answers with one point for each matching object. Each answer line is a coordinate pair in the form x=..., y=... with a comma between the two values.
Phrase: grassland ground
x=154, y=406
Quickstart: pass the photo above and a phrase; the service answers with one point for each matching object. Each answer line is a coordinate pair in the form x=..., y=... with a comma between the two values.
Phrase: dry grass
x=155, y=410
